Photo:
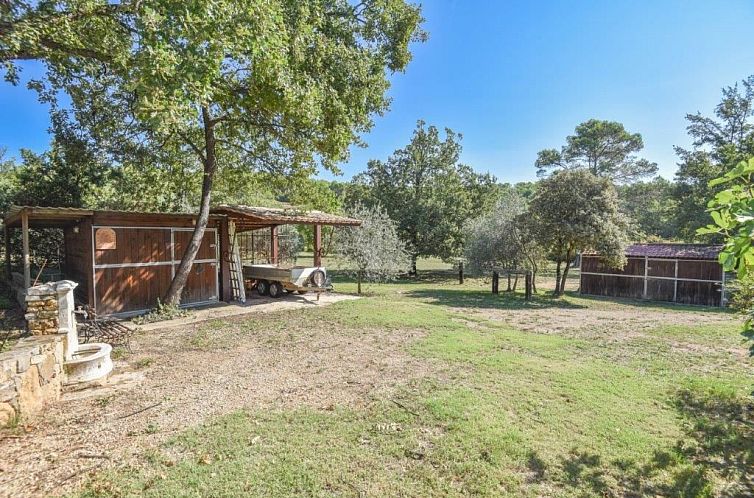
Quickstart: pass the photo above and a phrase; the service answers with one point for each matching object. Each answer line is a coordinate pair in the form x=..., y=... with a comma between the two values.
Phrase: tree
x=68, y=174
x=604, y=148
x=502, y=238
x=719, y=144
x=373, y=251
x=732, y=211
x=574, y=211
x=286, y=86
x=651, y=206
x=428, y=193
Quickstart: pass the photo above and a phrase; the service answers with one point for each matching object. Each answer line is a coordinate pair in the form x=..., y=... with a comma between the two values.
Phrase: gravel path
x=210, y=373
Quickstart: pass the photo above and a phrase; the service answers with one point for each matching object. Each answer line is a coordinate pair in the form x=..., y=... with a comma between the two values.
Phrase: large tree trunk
x=534, y=281
x=569, y=257
x=358, y=282
x=413, y=265
x=557, y=280
x=173, y=296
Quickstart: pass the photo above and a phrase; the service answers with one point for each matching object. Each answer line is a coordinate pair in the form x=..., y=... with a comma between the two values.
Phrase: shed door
x=133, y=267
x=202, y=284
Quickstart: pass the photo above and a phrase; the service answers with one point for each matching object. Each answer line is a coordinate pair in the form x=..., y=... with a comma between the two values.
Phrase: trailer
x=274, y=280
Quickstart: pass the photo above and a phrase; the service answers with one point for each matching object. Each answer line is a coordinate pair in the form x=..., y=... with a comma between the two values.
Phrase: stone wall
x=42, y=313
x=31, y=377
x=32, y=373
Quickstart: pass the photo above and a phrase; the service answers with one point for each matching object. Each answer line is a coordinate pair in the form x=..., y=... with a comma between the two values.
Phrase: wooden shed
x=124, y=261
x=678, y=273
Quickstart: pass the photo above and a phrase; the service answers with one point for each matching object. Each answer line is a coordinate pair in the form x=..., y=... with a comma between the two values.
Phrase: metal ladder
x=237, y=288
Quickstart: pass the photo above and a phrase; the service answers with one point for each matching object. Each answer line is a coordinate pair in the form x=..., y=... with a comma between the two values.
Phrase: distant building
x=677, y=273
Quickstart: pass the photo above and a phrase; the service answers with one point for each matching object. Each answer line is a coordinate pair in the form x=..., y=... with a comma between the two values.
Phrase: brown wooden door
x=133, y=267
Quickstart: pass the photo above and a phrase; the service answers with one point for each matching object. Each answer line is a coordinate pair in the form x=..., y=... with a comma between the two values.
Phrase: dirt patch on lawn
x=618, y=323
x=179, y=377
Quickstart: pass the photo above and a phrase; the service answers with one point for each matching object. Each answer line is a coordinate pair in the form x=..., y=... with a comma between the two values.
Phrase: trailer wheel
x=263, y=287
x=318, y=278
x=276, y=289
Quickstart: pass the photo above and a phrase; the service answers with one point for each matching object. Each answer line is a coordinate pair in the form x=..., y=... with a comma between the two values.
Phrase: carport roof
x=249, y=217
x=246, y=217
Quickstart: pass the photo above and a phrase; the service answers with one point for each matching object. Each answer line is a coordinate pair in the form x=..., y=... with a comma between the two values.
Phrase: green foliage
x=161, y=313
x=428, y=192
x=604, y=148
x=373, y=251
x=574, y=211
x=732, y=211
x=282, y=87
x=719, y=144
x=502, y=237
x=651, y=207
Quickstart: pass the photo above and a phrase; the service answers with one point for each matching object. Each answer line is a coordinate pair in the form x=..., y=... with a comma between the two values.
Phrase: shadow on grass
x=718, y=447
x=465, y=298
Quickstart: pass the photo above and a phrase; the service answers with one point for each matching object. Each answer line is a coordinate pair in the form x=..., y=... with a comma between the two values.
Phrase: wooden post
x=460, y=272
x=8, y=267
x=25, y=248
x=495, y=282
x=722, y=287
x=646, y=274
x=274, y=246
x=225, y=258
x=317, y=245
x=675, y=283
x=527, y=292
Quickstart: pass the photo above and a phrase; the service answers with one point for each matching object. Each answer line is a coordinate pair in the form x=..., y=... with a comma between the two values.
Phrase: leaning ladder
x=236, y=269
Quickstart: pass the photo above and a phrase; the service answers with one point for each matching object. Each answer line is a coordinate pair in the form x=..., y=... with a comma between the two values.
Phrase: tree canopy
x=719, y=144
x=428, y=192
x=373, y=251
x=281, y=86
x=574, y=211
x=604, y=148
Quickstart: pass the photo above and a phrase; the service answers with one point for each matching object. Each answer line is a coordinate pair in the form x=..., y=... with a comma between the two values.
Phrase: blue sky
x=515, y=77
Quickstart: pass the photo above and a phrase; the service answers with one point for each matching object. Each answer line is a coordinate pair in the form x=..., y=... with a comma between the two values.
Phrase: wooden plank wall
x=612, y=284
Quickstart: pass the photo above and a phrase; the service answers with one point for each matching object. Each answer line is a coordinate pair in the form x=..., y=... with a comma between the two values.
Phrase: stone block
x=7, y=414
x=23, y=362
x=30, y=396
x=37, y=359
x=46, y=369
x=8, y=391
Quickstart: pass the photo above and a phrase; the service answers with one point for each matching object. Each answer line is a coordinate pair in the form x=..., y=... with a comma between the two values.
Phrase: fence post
x=495, y=282
x=527, y=291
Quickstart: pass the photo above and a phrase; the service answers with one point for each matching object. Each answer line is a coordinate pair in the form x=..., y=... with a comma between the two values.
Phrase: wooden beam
x=8, y=268
x=25, y=248
x=317, y=245
x=225, y=255
x=274, y=246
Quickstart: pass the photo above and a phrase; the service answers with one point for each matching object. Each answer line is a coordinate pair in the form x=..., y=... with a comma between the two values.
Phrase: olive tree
x=573, y=211
x=503, y=238
x=373, y=252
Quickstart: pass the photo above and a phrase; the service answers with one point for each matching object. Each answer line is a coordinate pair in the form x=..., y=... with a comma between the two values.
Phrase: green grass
x=661, y=410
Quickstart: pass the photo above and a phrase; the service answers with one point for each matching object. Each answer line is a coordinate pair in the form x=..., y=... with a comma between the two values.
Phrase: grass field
x=570, y=397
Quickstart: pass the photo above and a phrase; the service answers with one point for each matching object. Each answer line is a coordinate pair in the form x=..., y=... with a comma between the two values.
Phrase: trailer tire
x=263, y=287
x=318, y=278
x=276, y=289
